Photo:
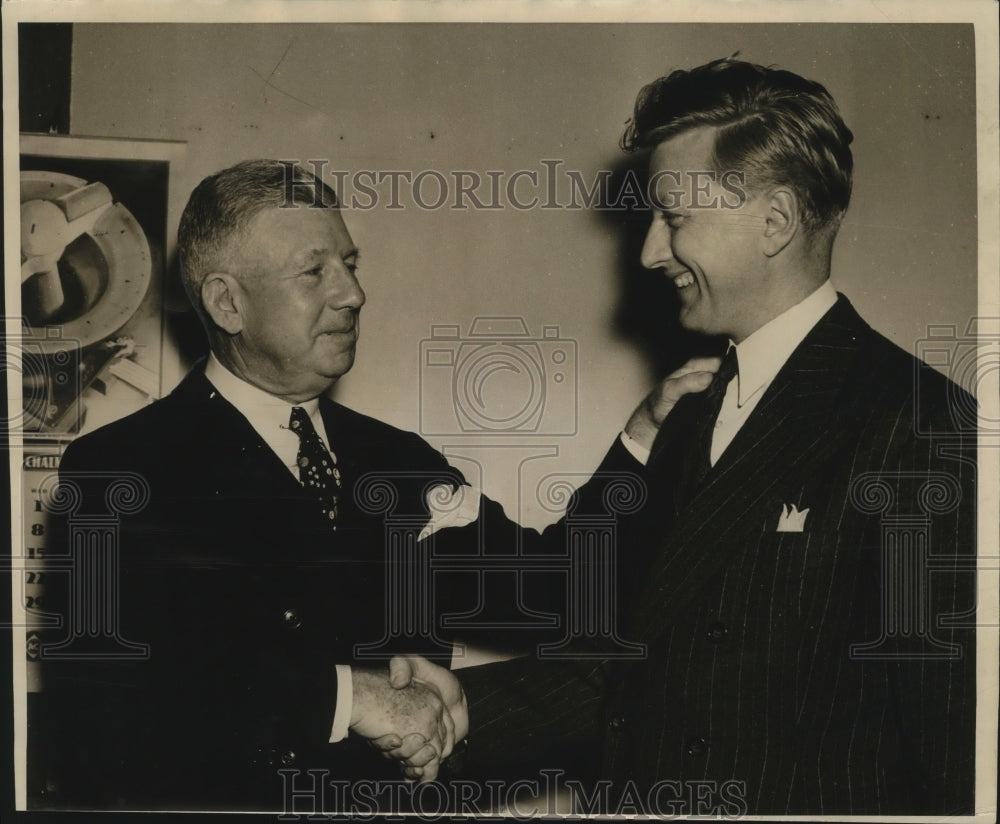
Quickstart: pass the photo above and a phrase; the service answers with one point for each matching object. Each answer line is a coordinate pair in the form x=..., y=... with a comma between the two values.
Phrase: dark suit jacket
x=830, y=670
x=246, y=599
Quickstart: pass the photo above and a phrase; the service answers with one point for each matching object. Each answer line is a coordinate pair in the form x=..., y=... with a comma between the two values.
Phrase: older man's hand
x=413, y=719
x=693, y=376
x=406, y=672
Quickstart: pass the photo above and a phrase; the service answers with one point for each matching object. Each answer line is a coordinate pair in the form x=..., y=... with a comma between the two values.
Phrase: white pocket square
x=791, y=519
x=450, y=507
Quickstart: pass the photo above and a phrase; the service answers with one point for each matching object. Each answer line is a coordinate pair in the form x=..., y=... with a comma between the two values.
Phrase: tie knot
x=729, y=368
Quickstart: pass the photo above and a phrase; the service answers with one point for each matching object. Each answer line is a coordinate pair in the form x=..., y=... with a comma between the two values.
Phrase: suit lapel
x=238, y=461
x=793, y=428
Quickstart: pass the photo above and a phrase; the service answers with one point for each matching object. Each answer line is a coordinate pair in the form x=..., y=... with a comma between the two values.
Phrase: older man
x=256, y=567
x=804, y=581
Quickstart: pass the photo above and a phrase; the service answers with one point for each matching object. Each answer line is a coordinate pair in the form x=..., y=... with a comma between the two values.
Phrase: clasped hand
x=414, y=714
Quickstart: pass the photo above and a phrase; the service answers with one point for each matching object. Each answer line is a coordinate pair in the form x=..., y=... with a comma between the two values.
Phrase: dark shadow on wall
x=44, y=60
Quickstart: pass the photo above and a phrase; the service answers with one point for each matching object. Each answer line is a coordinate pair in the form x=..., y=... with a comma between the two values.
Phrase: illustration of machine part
x=85, y=270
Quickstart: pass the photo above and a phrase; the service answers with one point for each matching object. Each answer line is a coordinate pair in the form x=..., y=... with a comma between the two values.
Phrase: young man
x=804, y=567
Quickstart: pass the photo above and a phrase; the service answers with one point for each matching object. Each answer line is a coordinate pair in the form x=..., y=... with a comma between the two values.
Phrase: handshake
x=415, y=715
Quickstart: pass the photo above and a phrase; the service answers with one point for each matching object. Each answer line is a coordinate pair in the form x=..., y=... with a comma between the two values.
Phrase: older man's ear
x=220, y=298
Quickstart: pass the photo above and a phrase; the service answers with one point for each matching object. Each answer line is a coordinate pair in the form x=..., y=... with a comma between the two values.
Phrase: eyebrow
x=306, y=258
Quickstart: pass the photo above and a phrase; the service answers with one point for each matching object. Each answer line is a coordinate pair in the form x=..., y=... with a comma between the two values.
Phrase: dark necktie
x=317, y=466
x=700, y=457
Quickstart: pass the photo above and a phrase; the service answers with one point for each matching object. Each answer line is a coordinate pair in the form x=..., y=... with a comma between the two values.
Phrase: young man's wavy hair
x=774, y=126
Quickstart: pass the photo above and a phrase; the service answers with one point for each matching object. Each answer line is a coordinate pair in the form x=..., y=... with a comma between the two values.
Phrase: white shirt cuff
x=345, y=704
x=635, y=449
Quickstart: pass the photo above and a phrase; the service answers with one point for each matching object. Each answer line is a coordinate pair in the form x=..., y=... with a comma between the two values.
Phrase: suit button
x=291, y=619
x=616, y=723
x=696, y=747
x=717, y=632
x=288, y=758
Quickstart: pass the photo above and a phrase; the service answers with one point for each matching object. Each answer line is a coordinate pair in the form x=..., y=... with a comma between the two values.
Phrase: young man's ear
x=782, y=220
x=220, y=297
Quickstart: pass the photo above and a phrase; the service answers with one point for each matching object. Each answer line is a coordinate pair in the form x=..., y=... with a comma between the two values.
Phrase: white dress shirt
x=269, y=416
x=759, y=358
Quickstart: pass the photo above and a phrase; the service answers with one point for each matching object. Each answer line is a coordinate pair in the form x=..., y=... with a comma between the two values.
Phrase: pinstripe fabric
x=749, y=675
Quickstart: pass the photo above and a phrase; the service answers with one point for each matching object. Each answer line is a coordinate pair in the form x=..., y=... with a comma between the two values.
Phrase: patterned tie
x=700, y=456
x=317, y=466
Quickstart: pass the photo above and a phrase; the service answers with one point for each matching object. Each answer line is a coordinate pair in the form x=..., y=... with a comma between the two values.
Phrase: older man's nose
x=347, y=292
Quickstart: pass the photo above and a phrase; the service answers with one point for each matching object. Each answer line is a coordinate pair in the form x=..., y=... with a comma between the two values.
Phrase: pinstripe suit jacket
x=824, y=671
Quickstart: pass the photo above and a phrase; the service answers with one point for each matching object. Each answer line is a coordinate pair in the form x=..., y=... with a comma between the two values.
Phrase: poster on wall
x=94, y=246
x=93, y=251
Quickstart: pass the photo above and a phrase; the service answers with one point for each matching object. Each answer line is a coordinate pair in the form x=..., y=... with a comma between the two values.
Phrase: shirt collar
x=762, y=355
x=267, y=414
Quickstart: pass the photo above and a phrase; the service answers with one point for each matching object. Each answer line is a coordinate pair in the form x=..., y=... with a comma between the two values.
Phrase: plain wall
x=504, y=97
